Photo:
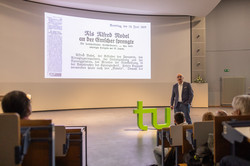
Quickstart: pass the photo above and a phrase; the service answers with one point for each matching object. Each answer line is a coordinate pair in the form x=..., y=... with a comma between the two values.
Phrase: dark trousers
x=185, y=108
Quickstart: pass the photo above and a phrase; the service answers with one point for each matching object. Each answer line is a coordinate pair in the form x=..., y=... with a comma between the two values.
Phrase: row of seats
x=187, y=137
x=40, y=143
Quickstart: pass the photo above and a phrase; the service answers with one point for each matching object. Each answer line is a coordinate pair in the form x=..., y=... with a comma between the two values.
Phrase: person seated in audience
x=241, y=106
x=207, y=116
x=17, y=102
x=221, y=113
x=202, y=156
x=179, y=119
x=210, y=116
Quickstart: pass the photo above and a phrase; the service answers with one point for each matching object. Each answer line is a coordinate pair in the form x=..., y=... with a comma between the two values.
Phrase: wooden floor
x=113, y=136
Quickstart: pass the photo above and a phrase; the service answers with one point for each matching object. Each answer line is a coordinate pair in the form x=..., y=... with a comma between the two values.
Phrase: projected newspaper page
x=89, y=48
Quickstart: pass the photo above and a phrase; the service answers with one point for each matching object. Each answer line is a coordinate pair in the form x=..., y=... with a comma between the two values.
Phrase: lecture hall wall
x=228, y=45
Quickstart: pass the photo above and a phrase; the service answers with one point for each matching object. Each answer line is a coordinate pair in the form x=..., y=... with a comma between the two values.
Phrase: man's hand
x=171, y=107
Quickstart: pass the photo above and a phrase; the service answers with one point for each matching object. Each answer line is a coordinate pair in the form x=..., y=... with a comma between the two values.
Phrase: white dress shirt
x=180, y=87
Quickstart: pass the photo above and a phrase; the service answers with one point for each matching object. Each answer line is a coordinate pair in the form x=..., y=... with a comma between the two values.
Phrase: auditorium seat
x=186, y=147
x=74, y=155
x=222, y=147
x=9, y=138
x=178, y=140
x=41, y=151
x=163, y=134
x=61, y=145
x=200, y=133
x=174, y=136
x=45, y=141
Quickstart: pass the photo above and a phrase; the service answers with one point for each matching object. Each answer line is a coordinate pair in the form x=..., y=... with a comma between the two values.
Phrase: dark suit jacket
x=187, y=94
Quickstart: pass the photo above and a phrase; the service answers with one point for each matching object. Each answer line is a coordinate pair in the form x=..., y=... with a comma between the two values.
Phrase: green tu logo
x=140, y=111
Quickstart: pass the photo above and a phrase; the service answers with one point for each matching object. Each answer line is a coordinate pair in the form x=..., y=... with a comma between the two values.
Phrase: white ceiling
x=142, y=7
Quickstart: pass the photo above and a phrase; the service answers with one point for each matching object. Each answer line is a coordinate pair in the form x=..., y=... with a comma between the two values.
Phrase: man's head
x=221, y=113
x=241, y=105
x=179, y=118
x=180, y=78
x=207, y=116
x=17, y=102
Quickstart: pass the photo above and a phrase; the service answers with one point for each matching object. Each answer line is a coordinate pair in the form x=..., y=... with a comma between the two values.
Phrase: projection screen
x=78, y=47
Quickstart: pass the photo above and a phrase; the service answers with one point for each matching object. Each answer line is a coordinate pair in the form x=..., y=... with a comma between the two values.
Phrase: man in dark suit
x=182, y=96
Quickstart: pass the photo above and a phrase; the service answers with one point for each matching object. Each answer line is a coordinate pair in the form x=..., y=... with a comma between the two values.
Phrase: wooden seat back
x=201, y=131
x=60, y=140
x=178, y=140
x=41, y=148
x=176, y=135
x=222, y=147
x=186, y=146
x=9, y=138
x=74, y=156
x=159, y=137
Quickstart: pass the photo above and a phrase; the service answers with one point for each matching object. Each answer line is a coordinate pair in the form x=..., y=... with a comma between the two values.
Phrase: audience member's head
x=207, y=116
x=17, y=102
x=179, y=118
x=241, y=105
x=221, y=113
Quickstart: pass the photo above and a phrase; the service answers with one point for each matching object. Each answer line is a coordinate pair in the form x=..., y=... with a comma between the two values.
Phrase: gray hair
x=242, y=103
